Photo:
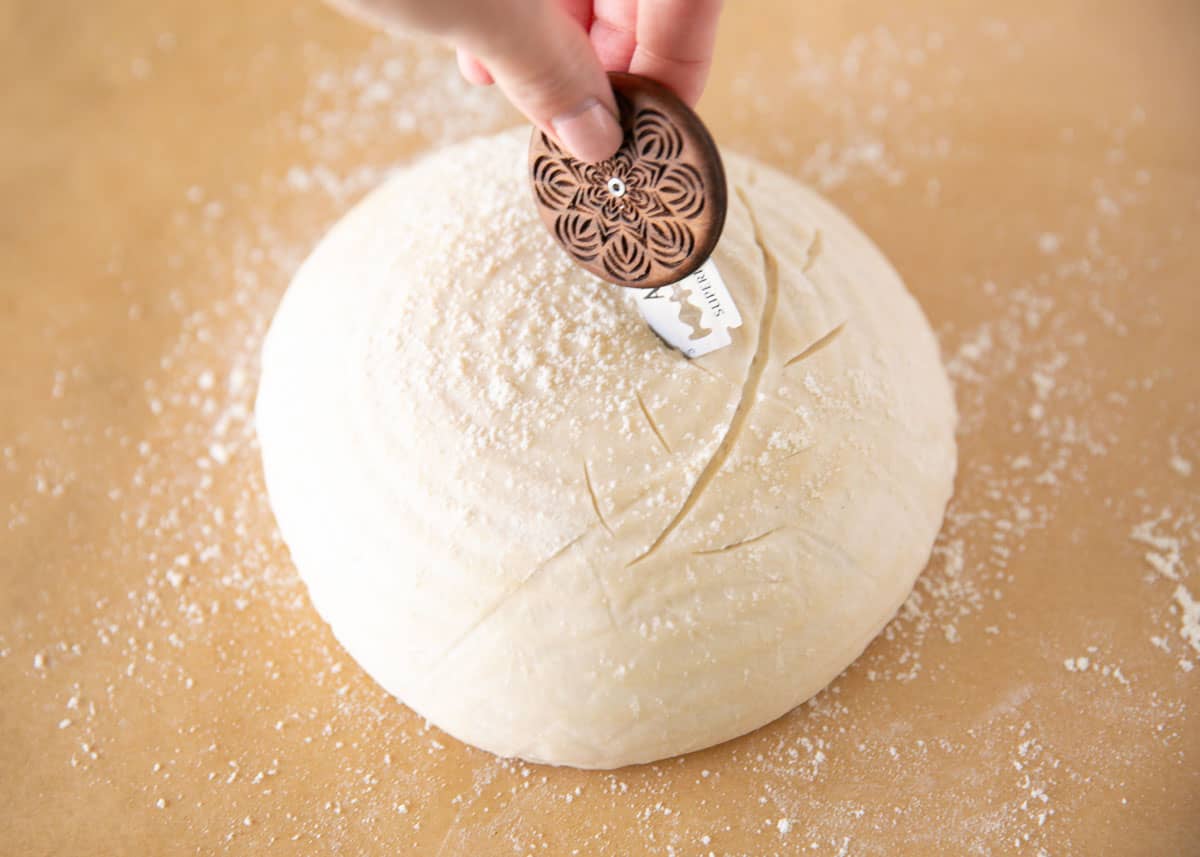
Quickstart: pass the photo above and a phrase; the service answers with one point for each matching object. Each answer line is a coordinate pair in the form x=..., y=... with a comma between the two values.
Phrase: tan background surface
x=165, y=688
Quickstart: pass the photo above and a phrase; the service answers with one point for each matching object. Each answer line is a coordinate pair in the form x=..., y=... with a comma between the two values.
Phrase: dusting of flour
x=197, y=559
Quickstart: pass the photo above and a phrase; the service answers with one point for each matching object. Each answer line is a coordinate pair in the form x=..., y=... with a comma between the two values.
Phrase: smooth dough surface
x=551, y=535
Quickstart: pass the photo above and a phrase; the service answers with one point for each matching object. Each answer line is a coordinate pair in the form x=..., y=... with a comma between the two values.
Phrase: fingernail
x=590, y=133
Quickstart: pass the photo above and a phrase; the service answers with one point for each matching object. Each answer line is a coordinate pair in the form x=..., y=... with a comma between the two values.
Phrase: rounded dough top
x=553, y=536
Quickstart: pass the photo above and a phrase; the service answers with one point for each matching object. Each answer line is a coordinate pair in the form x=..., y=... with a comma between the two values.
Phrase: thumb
x=544, y=61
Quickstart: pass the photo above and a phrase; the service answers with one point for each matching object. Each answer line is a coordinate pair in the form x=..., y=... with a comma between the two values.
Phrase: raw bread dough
x=557, y=539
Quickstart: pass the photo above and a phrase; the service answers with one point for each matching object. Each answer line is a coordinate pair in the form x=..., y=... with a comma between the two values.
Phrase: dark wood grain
x=651, y=214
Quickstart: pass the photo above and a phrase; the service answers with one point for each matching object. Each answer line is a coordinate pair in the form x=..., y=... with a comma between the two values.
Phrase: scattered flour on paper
x=203, y=558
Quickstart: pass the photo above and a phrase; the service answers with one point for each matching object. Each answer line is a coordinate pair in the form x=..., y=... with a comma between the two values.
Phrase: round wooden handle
x=653, y=212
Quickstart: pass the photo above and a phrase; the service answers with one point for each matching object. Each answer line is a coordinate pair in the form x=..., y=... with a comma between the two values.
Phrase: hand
x=550, y=56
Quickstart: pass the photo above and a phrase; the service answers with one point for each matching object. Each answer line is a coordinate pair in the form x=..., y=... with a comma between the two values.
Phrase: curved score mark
x=739, y=544
x=650, y=419
x=825, y=340
x=758, y=364
x=587, y=479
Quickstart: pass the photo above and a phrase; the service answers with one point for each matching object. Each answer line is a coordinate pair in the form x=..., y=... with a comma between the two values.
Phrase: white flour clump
x=1189, y=624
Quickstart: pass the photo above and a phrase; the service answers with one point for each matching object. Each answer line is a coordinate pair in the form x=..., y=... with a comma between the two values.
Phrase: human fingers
x=537, y=51
x=580, y=10
x=614, y=32
x=540, y=55
x=472, y=69
x=675, y=43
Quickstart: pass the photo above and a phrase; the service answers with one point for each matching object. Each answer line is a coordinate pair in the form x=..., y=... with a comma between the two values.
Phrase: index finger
x=675, y=43
x=614, y=32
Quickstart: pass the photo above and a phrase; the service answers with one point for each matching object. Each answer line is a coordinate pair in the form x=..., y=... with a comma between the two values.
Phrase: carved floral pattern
x=631, y=212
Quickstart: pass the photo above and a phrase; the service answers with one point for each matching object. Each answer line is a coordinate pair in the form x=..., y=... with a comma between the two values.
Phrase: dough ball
x=551, y=535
